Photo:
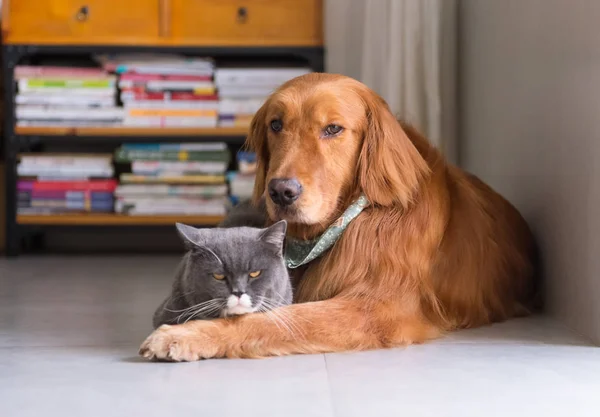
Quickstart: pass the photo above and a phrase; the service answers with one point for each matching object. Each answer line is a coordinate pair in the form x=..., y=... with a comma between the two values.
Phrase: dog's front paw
x=177, y=343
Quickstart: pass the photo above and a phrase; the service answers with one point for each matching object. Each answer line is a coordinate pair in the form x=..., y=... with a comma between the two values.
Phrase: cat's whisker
x=289, y=319
x=270, y=316
x=281, y=324
x=275, y=305
x=200, y=308
x=292, y=328
x=194, y=306
x=284, y=317
x=207, y=312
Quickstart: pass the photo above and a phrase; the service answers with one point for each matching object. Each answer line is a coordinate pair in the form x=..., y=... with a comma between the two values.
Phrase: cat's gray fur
x=232, y=252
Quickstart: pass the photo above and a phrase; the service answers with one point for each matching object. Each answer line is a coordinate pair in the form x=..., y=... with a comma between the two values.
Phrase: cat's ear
x=274, y=236
x=189, y=234
x=194, y=239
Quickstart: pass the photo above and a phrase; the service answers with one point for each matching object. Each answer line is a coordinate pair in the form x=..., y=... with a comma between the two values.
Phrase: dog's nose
x=284, y=191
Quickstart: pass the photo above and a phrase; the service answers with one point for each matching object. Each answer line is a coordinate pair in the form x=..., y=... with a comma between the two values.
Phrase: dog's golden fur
x=436, y=250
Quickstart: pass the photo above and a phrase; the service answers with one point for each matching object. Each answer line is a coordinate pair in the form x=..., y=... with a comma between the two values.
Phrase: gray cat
x=227, y=271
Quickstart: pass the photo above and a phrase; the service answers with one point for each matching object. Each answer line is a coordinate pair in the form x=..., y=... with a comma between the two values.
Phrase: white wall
x=529, y=92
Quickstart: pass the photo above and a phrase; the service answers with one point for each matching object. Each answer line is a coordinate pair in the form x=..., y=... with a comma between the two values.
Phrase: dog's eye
x=254, y=274
x=276, y=125
x=333, y=130
x=219, y=277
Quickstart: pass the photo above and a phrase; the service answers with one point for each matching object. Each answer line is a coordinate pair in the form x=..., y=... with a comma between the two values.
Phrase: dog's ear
x=257, y=142
x=390, y=168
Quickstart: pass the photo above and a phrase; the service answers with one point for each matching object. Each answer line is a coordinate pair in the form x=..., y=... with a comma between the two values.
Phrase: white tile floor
x=70, y=328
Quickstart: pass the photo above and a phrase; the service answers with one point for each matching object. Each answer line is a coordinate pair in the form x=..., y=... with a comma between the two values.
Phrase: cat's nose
x=238, y=294
x=284, y=191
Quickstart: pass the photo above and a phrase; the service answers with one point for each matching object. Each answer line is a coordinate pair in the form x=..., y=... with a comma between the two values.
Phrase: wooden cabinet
x=239, y=22
x=79, y=21
x=163, y=22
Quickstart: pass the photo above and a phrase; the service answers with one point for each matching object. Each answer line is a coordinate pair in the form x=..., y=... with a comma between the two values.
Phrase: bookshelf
x=254, y=31
x=217, y=132
x=111, y=219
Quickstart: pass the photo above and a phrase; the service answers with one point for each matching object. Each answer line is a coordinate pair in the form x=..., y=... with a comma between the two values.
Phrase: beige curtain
x=405, y=51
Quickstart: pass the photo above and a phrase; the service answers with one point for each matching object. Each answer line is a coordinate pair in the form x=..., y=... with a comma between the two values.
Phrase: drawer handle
x=82, y=14
x=242, y=15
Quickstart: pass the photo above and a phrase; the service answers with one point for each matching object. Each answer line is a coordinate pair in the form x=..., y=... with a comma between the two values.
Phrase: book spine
x=135, y=77
x=183, y=179
x=22, y=71
x=208, y=87
x=183, y=167
x=125, y=155
x=71, y=195
x=98, y=185
x=171, y=105
x=158, y=121
x=142, y=94
x=259, y=77
x=30, y=112
x=160, y=190
x=66, y=83
x=171, y=113
x=206, y=146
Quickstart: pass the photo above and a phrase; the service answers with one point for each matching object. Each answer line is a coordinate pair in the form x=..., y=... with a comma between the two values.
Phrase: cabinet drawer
x=247, y=23
x=80, y=21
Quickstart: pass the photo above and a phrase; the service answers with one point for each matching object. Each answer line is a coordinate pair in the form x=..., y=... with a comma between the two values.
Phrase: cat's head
x=242, y=268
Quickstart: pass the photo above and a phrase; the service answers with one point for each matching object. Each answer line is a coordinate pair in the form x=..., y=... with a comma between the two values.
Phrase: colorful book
x=204, y=146
x=68, y=92
x=142, y=94
x=71, y=195
x=257, y=76
x=143, y=78
x=233, y=106
x=64, y=100
x=166, y=122
x=173, y=105
x=74, y=205
x=69, y=123
x=235, y=121
x=177, y=167
x=200, y=87
x=163, y=112
x=128, y=155
x=130, y=190
x=53, y=113
x=91, y=185
x=173, y=206
x=91, y=83
x=45, y=71
x=245, y=91
x=62, y=159
x=37, y=211
x=64, y=172
x=178, y=179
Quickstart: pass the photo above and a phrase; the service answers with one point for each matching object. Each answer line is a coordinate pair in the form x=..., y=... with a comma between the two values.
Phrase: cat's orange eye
x=219, y=276
x=254, y=274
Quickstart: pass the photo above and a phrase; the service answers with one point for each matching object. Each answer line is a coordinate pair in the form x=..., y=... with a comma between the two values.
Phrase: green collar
x=300, y=252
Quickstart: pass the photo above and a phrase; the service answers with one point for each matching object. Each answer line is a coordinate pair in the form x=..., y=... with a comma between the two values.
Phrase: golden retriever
x=435, y=250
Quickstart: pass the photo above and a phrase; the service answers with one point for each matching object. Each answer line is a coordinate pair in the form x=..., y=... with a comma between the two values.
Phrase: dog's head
x=320, y=140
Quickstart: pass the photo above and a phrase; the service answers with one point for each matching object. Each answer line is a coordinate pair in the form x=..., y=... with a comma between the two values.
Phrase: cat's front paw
x=177, y=343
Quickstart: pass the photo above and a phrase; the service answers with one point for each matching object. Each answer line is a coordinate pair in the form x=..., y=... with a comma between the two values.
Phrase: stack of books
x=243, y=90
x=169, y=179
x=66, y=96
x=165, y=90
x=65, y=183
x=241, y=182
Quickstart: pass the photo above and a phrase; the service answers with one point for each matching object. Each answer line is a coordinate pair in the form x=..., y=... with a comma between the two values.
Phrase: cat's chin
x=237, y=311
